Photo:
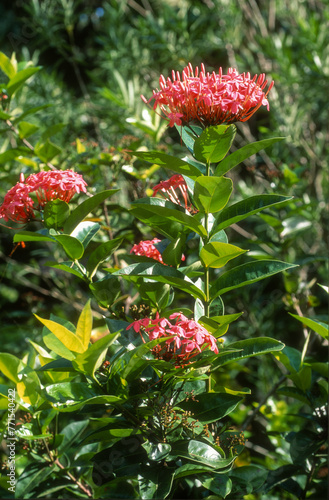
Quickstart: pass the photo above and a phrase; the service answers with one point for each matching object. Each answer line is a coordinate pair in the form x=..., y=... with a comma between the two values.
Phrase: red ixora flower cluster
x=147, y=248
x=209, y=98
x=174, y=189
x=186, y=338
x=18, y=205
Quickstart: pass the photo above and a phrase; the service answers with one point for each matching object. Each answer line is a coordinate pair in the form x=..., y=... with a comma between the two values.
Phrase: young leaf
x=246, y=274
x=10, y=365
x=212, y=193
x=85, y=231
x=26, y=129
x=90, y=360
x=20, y=78
x=84, y=325
x=217, y=254
x=7, y=66
x=73, y=247
x=67, y=266
x=170, y=162
x=214, y=143
x=242, y=209
x=65, y=336
x=243, y=153
x=47, y=150
x=85, y=208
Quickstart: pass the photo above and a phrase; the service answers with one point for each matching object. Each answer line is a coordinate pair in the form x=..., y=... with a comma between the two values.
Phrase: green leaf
x=316, y=325
x=31, y=236
x=155, y=482
x=243, y=153
x=7, y=66
x=218, y=325
x=20, y=78
x=161, y=273
x=216, y=254
x=52, y=130
x=220, y=484
x=71, y=396
x=10, y=366
x=85, y=208
x=85, y=231
x=100, y=254
x=171, y=162
x=189, y=134
x=46, y=151
x=58, y=365
x=106, y=290
x=31, y=477
x=84, y=325
x=239, y=211
x=214, y=143
x=156, y=451
x=246, y=274
x=4, y=116
x=68, y=267
x=73, y=247
x=248, y=477
x=26, y=129
x=210, y=407
x=89, y=361
x=55, y=213
x=172, y=255
x=65, y=336
x=72, y=435
x=245, y=349
x=158, y=212
x=207, y=455
x=212, y=193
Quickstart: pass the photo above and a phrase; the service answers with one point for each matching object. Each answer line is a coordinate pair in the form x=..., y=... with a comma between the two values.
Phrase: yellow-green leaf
x=84, y=326
x=65, y=336
x=217, y=254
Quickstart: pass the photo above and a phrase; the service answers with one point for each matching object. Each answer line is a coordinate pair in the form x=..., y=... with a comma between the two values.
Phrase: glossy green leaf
x=20, y=78
x=25, y=129
x=65, y=336
x=189, y=134
x=72, y=435
x=216, y=254
x=68, y=267
x=173, y=253
x=54, y=344
x=221, y=485
x=155, y=482
x=171, y=162
x=85, y=208
x=218, y=325
x=163, y=274
x=85, y=231
x=73, y=247
x=31, y=477
x=243, y=153
x=58, y=365
x=90, y=360
x=246, y=274
x=316, y=325
x=212, y=193
x=155, y=293
x=245, y=349
x=214, y=143
x=31, y=236
x=242, y=209
x=248, y=477
x=101, y=254
x=55, y=213
x=162, y=212
x=156, y=451
x=84, y=325
x=7, y=66
x=71, y=396
x=106, y=290
x=207, y=455
x=210, y=407
x=47, y=150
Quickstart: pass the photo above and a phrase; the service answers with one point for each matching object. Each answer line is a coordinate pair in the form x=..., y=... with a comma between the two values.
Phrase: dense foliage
x=93, y=284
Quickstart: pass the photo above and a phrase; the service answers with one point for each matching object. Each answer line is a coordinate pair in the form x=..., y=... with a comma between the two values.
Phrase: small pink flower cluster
x=168, y=190
x=147, y=249
x=209, y=98
x=186, y=338
x=18, y=205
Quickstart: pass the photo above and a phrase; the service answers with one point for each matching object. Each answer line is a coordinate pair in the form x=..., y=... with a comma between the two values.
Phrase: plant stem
x=206, y=269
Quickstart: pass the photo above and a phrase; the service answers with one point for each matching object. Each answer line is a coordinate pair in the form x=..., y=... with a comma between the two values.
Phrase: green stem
x=206, y=269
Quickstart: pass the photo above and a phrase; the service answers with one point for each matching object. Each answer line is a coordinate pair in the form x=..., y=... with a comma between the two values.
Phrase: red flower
x=169, y=190
x=147, y=249
x=209, y=98
x=18, y=205
x=186, y=338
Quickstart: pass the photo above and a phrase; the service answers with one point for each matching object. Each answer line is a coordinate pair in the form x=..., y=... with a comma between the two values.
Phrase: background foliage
x=97, y=58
